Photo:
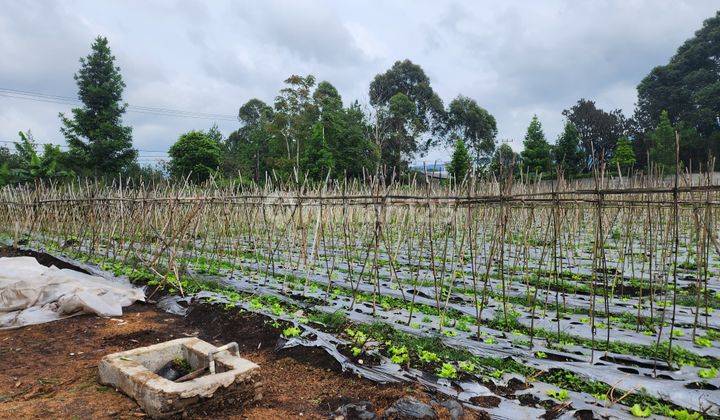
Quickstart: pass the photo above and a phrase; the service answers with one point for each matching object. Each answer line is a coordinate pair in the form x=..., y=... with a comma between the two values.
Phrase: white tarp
x=31, y=293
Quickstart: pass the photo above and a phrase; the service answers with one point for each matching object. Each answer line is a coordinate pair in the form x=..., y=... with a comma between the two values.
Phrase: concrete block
x=133, y=372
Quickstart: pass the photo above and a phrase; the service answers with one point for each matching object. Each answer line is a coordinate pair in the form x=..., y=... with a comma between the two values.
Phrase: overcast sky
x=515, y=59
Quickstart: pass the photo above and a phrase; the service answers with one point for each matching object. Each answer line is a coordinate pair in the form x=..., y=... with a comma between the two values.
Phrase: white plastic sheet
x=31, y=293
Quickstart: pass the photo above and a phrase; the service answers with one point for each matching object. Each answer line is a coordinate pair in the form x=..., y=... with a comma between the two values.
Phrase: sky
x=515, y=58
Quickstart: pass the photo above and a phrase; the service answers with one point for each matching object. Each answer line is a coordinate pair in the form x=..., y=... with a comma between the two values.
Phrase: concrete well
x=133, y=372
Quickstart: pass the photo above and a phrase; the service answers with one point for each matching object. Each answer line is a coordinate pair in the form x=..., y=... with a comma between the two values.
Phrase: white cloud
x=516, y=58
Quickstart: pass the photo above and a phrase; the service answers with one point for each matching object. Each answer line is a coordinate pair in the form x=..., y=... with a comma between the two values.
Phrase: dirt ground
x=50, y=370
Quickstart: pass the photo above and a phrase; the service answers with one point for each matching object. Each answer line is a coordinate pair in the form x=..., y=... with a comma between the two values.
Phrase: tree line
x=309, y=132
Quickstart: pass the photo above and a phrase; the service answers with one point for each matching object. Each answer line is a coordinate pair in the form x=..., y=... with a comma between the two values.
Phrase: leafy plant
x=467, y=366
x=428, y=356
x=708, y=373
x=399, y=355
x=703, y=341
x=560, y=395
x=291, y=332
x=447, y=371
x=685, y=415
x=638, y=411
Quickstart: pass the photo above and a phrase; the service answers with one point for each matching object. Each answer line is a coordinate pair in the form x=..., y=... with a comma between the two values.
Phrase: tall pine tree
x=99, y=144
x=461, y=163
x=537, y=151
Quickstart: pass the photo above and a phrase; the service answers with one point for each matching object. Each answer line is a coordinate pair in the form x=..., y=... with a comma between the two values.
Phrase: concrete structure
x=133, y=372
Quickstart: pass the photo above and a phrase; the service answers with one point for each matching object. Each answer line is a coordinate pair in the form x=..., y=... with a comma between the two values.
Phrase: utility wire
x=66, y=100
x=63, y=146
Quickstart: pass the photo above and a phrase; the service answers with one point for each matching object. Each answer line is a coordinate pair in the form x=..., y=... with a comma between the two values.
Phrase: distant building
x=435, y=170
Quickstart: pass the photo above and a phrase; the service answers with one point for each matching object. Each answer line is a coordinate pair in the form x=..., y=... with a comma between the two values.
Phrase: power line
x=63, y=146
x=159, y=111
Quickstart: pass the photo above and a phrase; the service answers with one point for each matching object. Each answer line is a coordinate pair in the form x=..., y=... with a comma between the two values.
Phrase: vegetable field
x=545, y=297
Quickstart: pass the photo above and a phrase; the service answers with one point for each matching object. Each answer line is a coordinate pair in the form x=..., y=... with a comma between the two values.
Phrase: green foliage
x=333, y=321
x=99, y=144
x=599, y=130
x=567, y=151
x=639, y=411
x=428, y=356
x=536, y=153
x=399, y=143
x=196, y=155
x=248, y=147
x=399, y=355
x=708, y=373
x=467, y=366
x=308, y=128
x=624, y=155
x=406, y=107
x=474, y=125
x=703, y=341
x=684, y=415
x=460, y=163
x=30, y=166
x=291, y=332
x=448, y=371
x=662, y=149
x=317, y=160
x=688, y=88
x=504, y=160
x=4, y=174
x=560, y=395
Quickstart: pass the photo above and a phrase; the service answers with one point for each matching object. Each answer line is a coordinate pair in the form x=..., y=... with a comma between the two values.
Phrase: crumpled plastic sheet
x=31, y=293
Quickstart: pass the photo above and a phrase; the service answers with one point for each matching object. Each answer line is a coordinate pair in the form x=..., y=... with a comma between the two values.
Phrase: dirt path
x=50, y=370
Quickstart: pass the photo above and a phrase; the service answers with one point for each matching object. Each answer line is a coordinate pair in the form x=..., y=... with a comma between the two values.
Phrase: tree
x=504, y=160
x=248, y=147
x=195, y=154
x=475, y=125
x=567, y=151
x=317, y=159
x=536, y=154
x=406, y=109
x=688, y=88
x=327, y=98
x=461, y=163
x=662, y=143
x=353, y=150
x=295, y=114
x=399, y=145
x=344, y=135
x=99, y=143
x=624, y=155
x=599, y=130
x=33, y=166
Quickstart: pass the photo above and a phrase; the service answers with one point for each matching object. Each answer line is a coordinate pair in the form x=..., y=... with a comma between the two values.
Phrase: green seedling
x=447, y=371
x=291, y=332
